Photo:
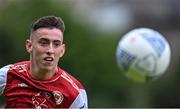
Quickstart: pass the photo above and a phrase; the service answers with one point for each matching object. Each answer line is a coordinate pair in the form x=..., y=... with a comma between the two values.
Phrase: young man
x=40, y=83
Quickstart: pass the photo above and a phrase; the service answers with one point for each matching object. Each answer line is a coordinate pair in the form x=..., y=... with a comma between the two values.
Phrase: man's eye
x=57, y=44
x=43, y=43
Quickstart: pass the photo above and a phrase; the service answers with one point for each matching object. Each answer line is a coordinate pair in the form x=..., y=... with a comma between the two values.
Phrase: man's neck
x=42, y=74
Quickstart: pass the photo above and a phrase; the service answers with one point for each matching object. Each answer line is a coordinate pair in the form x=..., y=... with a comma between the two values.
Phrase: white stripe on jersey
x=80, y=101
x=3, y=77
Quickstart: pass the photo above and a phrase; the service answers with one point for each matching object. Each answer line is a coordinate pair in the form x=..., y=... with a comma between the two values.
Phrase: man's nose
x=50, y=49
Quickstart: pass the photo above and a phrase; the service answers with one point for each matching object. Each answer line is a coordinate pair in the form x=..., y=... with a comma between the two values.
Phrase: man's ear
x=62, y=50
x=28, y=45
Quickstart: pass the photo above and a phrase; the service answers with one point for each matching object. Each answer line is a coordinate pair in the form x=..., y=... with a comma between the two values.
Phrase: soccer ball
x=143, y=54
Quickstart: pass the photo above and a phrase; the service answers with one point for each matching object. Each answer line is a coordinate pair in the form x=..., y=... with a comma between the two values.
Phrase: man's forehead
x=49, y=31
x=47, y=39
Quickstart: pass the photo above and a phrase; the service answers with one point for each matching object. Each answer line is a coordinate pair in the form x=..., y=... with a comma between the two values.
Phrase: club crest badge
x=58, y=96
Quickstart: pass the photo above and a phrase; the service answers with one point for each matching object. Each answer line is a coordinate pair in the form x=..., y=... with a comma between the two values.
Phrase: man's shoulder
x=15, y=66
x=69, y=77
x=21, y=63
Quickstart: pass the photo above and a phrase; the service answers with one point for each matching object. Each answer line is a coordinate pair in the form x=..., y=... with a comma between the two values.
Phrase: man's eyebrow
x=47, y=40
x=57, y=41
x=43, y=39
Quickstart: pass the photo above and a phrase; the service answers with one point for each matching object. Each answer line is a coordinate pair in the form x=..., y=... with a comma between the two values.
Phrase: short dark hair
x=48, y=22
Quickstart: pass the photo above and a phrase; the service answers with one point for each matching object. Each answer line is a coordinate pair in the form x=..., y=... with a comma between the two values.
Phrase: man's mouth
x=49, y=59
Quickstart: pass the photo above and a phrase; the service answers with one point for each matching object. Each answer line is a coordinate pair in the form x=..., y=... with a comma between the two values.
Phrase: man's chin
x=47, y=67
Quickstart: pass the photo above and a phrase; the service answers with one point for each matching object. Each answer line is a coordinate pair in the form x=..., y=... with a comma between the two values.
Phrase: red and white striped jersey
x=21, y=90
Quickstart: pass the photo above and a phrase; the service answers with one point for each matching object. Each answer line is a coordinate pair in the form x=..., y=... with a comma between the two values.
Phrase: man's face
x=45, y=48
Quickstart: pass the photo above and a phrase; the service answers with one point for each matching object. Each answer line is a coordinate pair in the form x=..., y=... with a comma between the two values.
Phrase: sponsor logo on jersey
x=19, y=68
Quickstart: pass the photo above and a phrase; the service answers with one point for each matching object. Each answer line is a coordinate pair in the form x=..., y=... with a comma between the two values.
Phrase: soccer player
x=39, y=82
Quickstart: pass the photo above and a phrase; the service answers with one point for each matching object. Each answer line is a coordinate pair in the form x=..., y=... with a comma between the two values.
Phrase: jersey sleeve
x=3, y=77
x=81, y=101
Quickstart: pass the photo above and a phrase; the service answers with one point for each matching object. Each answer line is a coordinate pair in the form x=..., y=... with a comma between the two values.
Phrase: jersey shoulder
x=6, y=69
x=20, y=66
x=71, y=78
x=81, y=100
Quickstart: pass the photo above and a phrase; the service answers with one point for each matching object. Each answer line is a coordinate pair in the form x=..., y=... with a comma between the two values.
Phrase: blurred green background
x=93, y=29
